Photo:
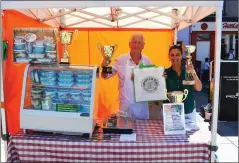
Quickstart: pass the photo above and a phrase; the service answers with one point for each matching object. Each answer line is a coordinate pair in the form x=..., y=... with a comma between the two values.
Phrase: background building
x=202, y=34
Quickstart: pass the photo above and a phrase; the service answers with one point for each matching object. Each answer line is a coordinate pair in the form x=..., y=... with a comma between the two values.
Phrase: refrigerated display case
x=59, y=98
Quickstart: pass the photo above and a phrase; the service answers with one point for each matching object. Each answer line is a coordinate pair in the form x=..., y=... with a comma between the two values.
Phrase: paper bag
x=149, y=84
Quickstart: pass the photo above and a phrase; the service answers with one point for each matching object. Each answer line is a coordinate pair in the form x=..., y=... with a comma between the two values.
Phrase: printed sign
x=210, y=26
x=174, y=118
x=66, y=108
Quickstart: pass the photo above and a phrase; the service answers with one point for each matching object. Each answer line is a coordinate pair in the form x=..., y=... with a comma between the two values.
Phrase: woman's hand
x=164, y=75
x=190, y=68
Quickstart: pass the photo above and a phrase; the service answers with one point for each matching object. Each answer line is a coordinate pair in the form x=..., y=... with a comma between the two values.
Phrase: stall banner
x=149, y=84
x=174, y=118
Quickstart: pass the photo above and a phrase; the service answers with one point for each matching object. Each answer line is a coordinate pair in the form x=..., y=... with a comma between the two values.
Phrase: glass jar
x=46, y=103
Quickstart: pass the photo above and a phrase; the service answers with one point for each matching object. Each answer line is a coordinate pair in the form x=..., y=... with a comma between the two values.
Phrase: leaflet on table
x=174, y=118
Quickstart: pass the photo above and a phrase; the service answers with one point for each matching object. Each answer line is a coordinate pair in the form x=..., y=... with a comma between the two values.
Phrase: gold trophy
x=107, y=53
x=176, y=96
x=66, y=38
x=188, y=75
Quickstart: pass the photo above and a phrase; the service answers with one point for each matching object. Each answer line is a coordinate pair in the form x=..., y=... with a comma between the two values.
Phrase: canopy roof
x=115, y=14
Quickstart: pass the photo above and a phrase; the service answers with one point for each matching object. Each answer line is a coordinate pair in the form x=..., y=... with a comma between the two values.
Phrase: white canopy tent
x=128, y=14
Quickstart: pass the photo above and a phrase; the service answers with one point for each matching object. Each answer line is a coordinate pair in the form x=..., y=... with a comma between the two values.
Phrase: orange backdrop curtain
x=83, y=50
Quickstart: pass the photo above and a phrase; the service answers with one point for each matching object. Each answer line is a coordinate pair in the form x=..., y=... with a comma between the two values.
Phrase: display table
x=151, y=146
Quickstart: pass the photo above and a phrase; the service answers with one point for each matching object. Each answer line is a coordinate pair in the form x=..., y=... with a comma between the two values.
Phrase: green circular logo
x=150, y=84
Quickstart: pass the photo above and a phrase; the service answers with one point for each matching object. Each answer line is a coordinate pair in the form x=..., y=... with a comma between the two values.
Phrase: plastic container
x=65, y=80
x=49, y=83
x=51, y=92
x=48, y=79
x=36, y=92
x=50, y=47
x=36, y=103
x=75, y=95
x=44, y=60
x=65, y=84
x=63, y=94
x=49, y=73
x=51, y=55
x=22, y=60
x=66, y=74
x=36, y=55
x=19, y=46
x=38, y=49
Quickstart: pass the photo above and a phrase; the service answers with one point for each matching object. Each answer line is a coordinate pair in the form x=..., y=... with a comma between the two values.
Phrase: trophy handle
x=185, y=93
x=166, y=93
x=99, y=46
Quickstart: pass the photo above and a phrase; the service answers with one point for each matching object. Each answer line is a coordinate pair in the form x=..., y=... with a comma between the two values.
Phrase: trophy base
x=107, y=70
x=65, y=61
x=188, y=82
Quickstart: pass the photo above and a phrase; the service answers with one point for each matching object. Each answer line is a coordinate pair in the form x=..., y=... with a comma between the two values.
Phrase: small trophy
x=107, y=53
x=66, y=38
x=188, y=75
x=176, y=96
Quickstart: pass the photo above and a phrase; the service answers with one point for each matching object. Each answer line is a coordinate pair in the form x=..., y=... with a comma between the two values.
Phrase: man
x=124, y=65
x=231, y=55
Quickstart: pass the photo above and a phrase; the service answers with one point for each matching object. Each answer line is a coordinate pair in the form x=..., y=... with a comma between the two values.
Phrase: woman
x=174, y=81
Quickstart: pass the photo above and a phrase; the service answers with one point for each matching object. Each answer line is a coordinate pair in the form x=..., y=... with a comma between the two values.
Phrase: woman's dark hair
x=175, y=47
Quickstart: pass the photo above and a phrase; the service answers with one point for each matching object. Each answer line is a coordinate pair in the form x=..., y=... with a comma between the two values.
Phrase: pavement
x=227, y=137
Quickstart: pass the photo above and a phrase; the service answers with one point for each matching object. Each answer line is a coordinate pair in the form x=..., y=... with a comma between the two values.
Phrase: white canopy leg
x=217, y=56
x=175, y=35
x=2, y=116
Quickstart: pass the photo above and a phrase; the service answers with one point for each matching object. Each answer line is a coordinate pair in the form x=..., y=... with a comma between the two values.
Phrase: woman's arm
x=198, y=84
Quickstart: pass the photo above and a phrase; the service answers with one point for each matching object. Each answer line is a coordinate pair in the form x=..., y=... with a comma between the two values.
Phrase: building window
x=229, y=41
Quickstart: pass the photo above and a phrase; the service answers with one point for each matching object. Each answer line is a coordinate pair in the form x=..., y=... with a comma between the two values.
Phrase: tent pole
x=175, y=35
x=217, y=56
x=1, y=54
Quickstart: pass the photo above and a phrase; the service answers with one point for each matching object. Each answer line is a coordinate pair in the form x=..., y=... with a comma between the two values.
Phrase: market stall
x=191, y=12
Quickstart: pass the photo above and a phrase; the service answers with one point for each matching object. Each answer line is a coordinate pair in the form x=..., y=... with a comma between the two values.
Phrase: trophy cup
x=176, y=96
x=66, y=38
x=107, y=53
x=188, y=75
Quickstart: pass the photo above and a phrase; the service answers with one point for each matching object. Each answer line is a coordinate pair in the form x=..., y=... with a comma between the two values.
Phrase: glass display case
x=59, y=98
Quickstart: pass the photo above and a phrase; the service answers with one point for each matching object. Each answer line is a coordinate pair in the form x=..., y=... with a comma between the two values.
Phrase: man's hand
x=104, y=75
x=105, y=63
x=132, y=77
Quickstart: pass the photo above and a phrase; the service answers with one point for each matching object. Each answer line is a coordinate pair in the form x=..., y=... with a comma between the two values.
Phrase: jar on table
x=36, y=103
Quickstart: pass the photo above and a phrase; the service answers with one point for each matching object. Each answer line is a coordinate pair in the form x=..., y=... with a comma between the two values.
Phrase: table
x=151, y=146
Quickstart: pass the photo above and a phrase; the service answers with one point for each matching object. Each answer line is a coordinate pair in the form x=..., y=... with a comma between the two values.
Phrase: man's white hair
x=136, y=34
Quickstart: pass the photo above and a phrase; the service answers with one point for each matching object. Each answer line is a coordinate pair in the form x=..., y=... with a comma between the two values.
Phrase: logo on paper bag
x=150, y=84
